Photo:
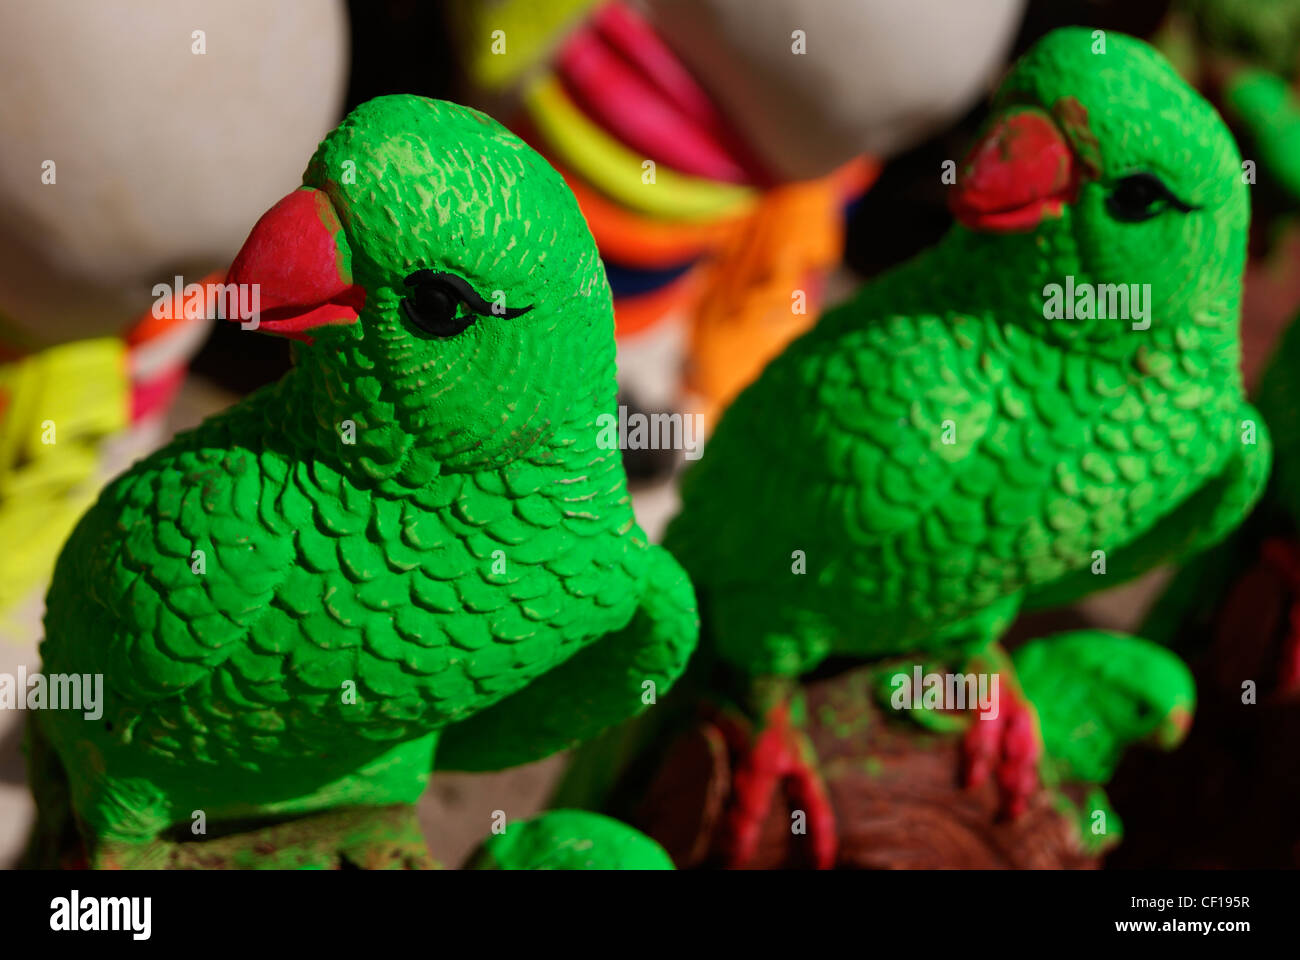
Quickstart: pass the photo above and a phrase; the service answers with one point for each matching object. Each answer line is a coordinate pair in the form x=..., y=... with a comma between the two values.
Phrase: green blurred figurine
x=1051, y=393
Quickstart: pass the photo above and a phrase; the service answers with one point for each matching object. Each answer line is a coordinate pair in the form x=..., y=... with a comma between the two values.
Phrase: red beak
x=298, y=262
x=1020, y=170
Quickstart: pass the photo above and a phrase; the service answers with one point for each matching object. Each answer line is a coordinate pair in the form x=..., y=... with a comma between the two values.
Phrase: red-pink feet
x=776, y=758
x=1006, y=742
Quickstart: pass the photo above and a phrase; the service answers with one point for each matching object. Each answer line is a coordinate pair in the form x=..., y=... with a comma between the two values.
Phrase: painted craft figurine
x=955, y=444
x=410, y=541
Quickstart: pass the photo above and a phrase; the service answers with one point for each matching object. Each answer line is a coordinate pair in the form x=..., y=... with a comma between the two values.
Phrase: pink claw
x=1008, y=743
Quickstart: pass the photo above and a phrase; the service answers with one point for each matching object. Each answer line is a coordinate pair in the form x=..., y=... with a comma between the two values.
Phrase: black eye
x=1140, y=197
x=443, y=304
x=434, y=307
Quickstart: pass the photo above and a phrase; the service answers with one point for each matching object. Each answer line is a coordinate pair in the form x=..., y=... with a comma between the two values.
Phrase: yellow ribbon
x=620, y=173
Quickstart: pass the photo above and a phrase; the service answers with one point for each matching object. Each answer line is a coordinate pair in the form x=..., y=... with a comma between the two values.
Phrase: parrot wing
x=164, y=578
x=1206, y=517
x=611, y=680
x=855, y=439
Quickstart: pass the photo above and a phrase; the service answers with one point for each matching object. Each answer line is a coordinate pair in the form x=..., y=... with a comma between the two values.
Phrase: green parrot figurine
x=956, y=443
x=1107, y=690
x=413, y=539
x=1097, y=692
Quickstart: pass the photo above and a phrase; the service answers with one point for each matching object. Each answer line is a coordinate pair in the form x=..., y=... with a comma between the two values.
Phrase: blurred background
x=140, y=142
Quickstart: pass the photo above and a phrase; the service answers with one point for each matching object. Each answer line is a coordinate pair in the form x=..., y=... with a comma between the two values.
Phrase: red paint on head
x=298, y=257
x=1020, y=170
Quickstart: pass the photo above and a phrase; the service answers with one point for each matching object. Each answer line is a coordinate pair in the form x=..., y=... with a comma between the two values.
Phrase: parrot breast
x=248, y=600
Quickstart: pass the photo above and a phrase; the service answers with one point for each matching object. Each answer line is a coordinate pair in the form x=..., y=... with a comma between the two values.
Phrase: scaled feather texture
x=288, y=621
x=943, y=451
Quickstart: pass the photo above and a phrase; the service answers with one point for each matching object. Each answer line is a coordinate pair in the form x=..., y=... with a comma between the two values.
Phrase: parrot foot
x=778, y=757
x=1004, y=741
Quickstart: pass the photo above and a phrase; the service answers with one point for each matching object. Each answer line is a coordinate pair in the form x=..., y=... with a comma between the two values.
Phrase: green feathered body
x=308, y=582
x=293, y=602
x=946, y=446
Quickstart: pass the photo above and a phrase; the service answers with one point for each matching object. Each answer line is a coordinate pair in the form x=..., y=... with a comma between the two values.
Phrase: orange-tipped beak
x=1174, y=730
x=1021, y=170
x=298, y=261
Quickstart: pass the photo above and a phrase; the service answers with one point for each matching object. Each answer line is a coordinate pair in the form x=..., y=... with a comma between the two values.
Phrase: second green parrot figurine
x=413, y=540
x=981, y=429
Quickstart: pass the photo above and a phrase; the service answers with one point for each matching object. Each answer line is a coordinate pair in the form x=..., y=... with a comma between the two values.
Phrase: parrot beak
x=1174, y=730
x=298, y=265
x=1019, y=171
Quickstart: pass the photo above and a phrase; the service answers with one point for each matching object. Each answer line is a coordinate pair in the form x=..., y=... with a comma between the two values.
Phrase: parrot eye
x=1140, y=197
x=436, y=301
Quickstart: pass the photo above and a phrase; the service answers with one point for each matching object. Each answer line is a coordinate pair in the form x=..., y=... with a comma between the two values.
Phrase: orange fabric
x=145, y=327
x=746, y=314
x=856, y=177
x=634, y=314
x=647, y=242
x=740, y=298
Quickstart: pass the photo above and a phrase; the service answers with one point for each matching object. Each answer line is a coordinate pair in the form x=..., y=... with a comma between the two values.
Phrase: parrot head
x=443, y=287
x=1152, y=694
x=1101, y=163
x=1125, y=691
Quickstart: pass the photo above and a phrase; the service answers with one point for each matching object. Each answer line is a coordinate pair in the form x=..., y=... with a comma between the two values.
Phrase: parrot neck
x=366, y=442
x=325, y=421
x=1013, y=281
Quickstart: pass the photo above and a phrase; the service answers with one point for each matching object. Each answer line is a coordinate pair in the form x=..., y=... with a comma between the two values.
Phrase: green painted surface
x=1097, y=692
x=1066, y=436
x=468, y=574
x=571, y=840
